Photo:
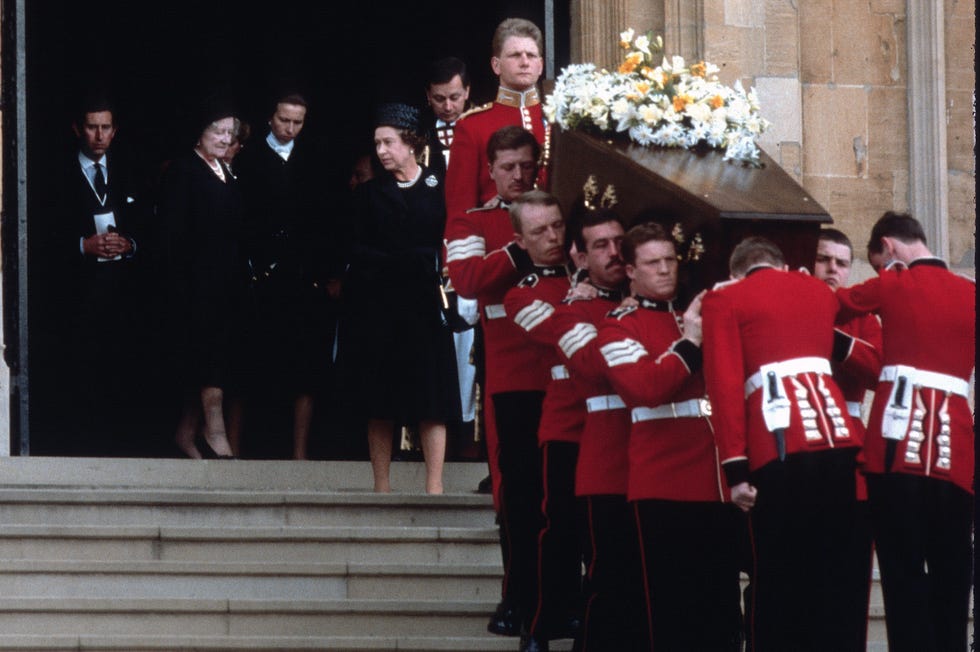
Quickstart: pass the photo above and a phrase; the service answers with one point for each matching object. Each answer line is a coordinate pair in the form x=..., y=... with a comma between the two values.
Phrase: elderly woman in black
x=201, y=212
x=397, y=348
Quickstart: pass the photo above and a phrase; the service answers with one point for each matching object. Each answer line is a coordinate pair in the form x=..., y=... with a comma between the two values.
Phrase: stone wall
x=961, y=82
x=832, y=77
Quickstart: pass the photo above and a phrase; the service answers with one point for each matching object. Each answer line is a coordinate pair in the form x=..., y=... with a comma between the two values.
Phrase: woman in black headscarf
x=397, y=347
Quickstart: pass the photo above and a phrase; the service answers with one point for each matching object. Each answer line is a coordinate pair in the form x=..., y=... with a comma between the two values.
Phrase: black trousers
x=690, y=553
x=559, y=555
x=614, y=602
x=922, y=529
x=517, y=415
x=804, y=514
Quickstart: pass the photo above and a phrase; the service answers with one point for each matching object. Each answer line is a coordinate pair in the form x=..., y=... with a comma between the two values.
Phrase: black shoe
x=504, y=621
x=485, y=486
x=570, y=629
x=533, y=644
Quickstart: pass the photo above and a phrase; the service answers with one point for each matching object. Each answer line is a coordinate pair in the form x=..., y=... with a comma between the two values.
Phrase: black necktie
x=99, y=182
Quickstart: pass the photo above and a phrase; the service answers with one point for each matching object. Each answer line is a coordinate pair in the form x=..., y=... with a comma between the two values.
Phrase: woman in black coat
x=397, y=348
x=201, y=211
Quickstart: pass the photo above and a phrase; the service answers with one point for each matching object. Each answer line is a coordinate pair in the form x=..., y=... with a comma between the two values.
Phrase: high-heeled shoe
x=207, y=452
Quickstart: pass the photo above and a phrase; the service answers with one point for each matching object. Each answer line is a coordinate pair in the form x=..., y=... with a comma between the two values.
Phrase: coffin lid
x=723, y=201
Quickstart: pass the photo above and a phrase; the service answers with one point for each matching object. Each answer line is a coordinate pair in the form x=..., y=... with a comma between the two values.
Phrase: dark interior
x=159, y=61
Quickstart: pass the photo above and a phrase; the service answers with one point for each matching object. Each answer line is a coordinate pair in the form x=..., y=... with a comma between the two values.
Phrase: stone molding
x=928, y=170
x=597, y=23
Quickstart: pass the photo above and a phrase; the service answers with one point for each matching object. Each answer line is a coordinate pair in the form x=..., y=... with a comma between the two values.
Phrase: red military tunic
x=468, y=181
x=769, y=317
x=857, y=362
x=650, y=366
x=529, y=307
x=603, y=450
x=928, y=317
x=484, y=263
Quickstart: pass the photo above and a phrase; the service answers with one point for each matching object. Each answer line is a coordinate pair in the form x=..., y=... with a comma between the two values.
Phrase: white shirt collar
x=282, y=150
x=87, y=163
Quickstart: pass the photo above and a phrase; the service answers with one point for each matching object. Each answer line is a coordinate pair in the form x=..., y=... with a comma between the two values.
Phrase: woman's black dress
x=206, y=272
x=396, y=351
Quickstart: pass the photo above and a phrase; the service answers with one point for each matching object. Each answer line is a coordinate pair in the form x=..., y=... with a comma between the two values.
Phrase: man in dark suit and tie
x=89, y=303
x=448, y=94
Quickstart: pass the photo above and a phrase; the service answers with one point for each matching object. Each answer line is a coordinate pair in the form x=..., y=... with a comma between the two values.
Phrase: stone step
x=447, y=545
x=406, y=477
x=239, y=508
x=257, y=580
x=244, y=618
x=95, y=643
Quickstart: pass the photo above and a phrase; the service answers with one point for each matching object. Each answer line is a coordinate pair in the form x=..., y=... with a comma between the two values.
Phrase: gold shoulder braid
x=476, y=109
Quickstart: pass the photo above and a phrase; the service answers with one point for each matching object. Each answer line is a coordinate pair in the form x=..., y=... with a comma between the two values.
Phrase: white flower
x=698, y=111
x=723, y=117
x=642, y=44
x=651, y=113
x=642, y=135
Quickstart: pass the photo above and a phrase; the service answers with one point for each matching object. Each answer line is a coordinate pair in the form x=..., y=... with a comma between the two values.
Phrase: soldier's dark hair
x=530, y=198
x=753, y=251
x=639, y=235
x=94, y=102
x=587, y=218
x=516, y=27
x=828, y=234
x=901, y=226
x=442, y=71
x=512, y=137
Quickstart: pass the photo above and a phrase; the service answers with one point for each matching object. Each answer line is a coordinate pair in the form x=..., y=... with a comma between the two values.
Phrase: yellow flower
x=717, y=101
x=643, y=87
x=633, y=59
x=680, y=101
x=698, y=69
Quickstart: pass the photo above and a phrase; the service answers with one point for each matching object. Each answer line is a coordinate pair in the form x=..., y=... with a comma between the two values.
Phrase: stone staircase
x=106, y=554
x=153, y=555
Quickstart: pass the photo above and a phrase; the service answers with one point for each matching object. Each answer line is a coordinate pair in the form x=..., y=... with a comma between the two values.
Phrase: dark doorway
x=159, y=60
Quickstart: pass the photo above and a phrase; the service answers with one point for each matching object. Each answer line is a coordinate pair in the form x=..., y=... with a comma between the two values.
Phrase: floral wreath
x=667, y=105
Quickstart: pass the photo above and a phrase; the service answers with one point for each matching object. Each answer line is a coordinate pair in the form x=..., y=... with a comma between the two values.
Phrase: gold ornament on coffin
x=693, y=250
x=590, y=190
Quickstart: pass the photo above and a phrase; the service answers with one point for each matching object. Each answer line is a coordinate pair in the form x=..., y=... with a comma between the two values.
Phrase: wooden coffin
x=720, y=201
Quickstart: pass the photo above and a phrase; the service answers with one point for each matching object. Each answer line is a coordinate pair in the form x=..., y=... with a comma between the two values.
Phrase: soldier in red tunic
x=540, y=231
x=785, y=444
x=553, y=611
x=688, y=532
x=857, y=343
x=596, y=238
x=517, y=61
x=919, y=448
x=484, y=261
x=613, y=616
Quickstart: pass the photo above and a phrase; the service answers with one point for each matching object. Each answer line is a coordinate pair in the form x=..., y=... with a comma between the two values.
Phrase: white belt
x=695, y=407
x=854, y=409
x=559, y=372
x=495, y=311
x=930, y=379
x=788, y=368
x=608, y=402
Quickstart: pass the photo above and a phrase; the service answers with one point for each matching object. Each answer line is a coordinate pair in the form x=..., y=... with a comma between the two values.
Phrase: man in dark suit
x=88, y=269
x=448, y=93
